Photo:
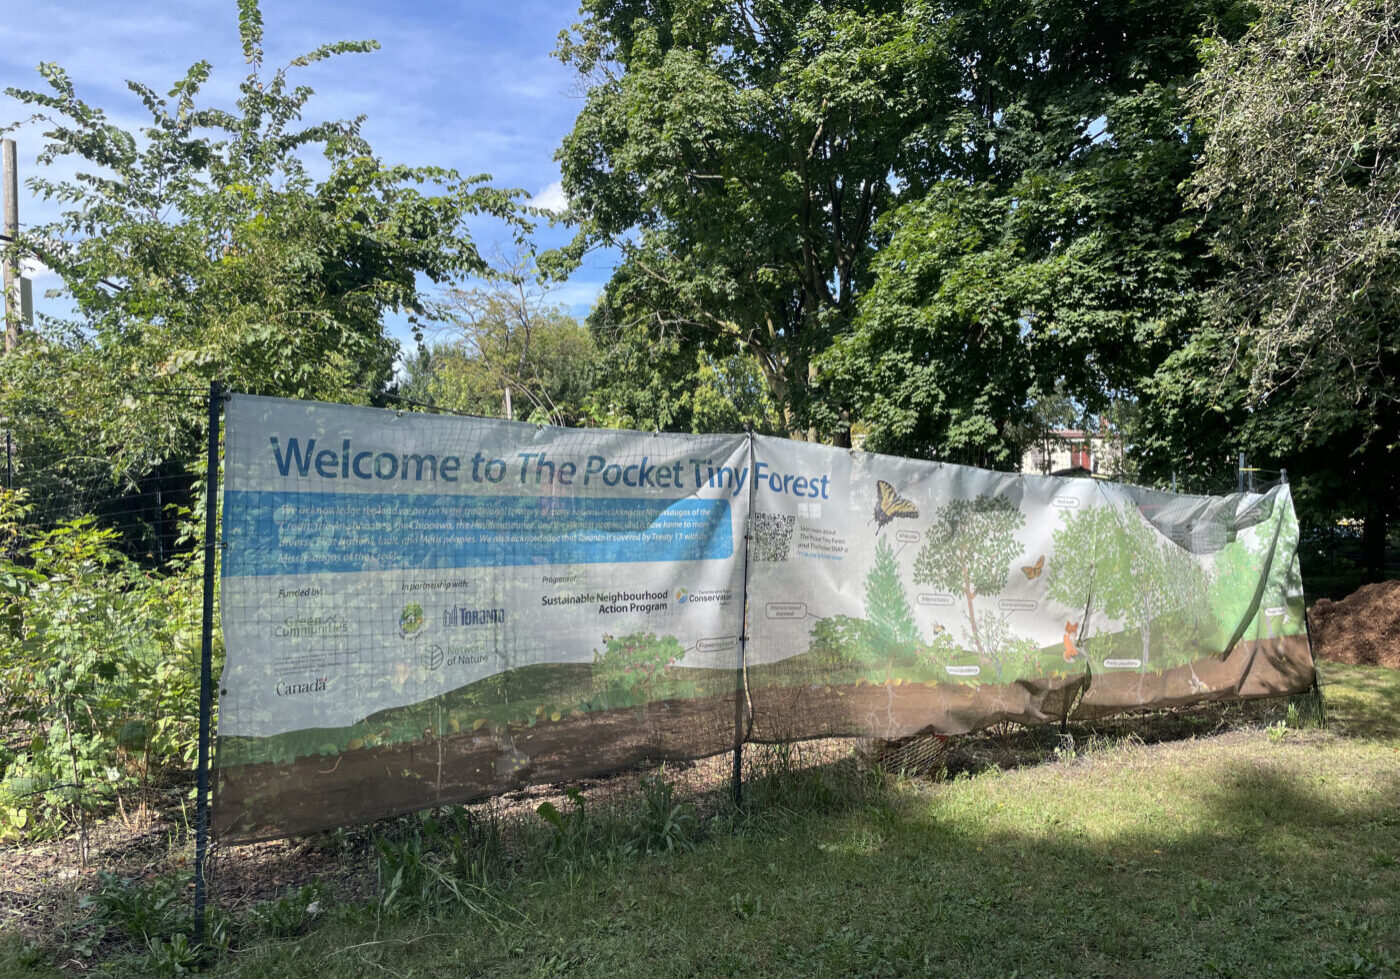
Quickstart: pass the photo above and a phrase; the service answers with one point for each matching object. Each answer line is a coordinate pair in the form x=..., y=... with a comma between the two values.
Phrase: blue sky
x=470, y=86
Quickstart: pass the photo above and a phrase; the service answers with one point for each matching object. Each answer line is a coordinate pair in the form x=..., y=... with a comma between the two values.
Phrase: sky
x=465, y=85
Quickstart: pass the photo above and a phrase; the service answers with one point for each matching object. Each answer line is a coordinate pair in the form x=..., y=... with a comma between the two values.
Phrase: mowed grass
x=1264, y=852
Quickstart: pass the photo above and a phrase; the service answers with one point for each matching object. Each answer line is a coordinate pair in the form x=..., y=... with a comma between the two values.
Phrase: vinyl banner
x=889, y=597
x=420, y=609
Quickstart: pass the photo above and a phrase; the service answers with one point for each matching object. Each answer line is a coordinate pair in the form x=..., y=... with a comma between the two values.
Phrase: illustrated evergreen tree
x=969, y=551
x=890, y=631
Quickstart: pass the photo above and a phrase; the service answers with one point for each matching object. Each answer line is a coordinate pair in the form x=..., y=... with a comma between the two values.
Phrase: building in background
x=1072, y=452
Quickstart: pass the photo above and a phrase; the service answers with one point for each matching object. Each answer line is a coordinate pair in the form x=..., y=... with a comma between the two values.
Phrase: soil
x=1363, y=628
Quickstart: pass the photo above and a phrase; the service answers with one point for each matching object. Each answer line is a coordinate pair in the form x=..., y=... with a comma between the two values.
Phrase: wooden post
x=13, y=313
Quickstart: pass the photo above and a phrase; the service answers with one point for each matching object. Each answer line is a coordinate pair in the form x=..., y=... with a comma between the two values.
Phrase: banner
x=905, y=597
x=421, y=609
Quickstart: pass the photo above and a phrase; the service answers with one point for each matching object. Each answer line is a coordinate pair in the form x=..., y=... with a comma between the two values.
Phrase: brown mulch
x=1363, y=628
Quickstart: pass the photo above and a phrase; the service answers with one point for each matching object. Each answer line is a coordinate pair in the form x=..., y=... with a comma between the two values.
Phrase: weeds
x=442, y=860
x=664, y=824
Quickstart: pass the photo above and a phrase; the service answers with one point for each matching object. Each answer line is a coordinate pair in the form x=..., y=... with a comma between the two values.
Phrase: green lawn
x=1250, y=853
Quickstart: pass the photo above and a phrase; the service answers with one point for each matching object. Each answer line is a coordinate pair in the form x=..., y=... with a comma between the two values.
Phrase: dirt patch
x=1363, y=628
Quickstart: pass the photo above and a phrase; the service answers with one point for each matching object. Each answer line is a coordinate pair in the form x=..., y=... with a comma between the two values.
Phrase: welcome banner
x=421, y=609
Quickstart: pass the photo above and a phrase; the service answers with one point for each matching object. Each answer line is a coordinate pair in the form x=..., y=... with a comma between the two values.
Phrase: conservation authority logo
x=411, y=621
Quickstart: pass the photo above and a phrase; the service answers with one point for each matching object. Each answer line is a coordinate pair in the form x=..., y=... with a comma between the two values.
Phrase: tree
x=659, y=383
x=1048, y=252
x=739, y=155
x=1135, y=574
x=969, y=551
x=201, y=246
x=1302, y=173
x=890, y=628
x=507, y=340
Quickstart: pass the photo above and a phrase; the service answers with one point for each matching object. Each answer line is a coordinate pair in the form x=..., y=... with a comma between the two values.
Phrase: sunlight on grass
x=1266, y=850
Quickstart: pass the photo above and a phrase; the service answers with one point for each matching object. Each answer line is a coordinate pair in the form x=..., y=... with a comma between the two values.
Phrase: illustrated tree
x=969, y=551
x=891, y=632
x=634, y=662
x=1085, y=563
x=1255, y=572
x=1137, y=575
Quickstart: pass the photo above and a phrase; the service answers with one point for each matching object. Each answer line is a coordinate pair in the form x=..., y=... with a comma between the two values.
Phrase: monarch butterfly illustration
x=891, y=505
x=1034, y=571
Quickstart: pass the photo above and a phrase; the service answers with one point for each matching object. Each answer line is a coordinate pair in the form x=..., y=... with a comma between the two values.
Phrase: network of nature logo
x=432, y=657
x=411, y=620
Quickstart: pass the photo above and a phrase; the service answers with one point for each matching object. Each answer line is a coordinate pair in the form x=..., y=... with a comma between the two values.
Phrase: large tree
x=1046, y=252
x=1301, y=172
x=739, y=154
x=202, y=245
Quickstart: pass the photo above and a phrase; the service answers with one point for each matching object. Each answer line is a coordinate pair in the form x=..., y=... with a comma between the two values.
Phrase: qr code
x=770, y=536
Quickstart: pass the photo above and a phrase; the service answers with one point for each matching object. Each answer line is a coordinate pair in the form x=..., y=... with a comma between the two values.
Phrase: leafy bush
x=98, y=670
x=632, y=664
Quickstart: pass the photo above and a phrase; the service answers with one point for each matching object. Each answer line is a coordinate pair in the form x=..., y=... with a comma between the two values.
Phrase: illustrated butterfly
x=1033, y=571
x=891, y=505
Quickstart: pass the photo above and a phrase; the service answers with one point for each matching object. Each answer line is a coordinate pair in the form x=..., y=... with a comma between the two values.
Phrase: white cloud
x=34, y=270
x=552, y=198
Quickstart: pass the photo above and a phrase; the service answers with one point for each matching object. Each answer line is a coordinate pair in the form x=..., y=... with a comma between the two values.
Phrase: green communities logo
x=411, y=620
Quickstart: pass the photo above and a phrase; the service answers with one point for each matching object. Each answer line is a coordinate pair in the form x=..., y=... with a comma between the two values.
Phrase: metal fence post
x=206, y=658
x=740, y=681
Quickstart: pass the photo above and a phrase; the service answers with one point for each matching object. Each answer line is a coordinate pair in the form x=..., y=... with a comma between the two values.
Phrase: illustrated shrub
x=631, y=664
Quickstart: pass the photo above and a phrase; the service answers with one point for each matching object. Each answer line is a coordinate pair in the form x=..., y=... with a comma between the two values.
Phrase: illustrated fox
x=1072, y=652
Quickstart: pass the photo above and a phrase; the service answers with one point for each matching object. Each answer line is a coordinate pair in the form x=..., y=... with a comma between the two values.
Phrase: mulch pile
x=1363, y=628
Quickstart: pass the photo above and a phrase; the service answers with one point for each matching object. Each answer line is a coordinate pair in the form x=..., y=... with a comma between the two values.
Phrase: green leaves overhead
x=739, y=156
x=205, y=244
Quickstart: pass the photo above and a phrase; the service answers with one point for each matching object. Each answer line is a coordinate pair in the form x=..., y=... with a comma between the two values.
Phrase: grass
x=1273, y=850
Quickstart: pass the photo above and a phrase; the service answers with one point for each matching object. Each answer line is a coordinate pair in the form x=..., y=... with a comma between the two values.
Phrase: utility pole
x=12, y=286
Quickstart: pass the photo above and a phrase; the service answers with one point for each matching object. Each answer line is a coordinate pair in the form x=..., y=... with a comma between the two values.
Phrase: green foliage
x=968, y=552
x=200, y=246
x=100, y=668
x=662, y=383
x=738, y=157
x=507, y=335
x=891, y=632
x=839, y=641
x=430, y=866
x=152, y=920
x=664, y=824
x=632, y=664
x=1112, y=560
x=1297, y=180
x=288, y=915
